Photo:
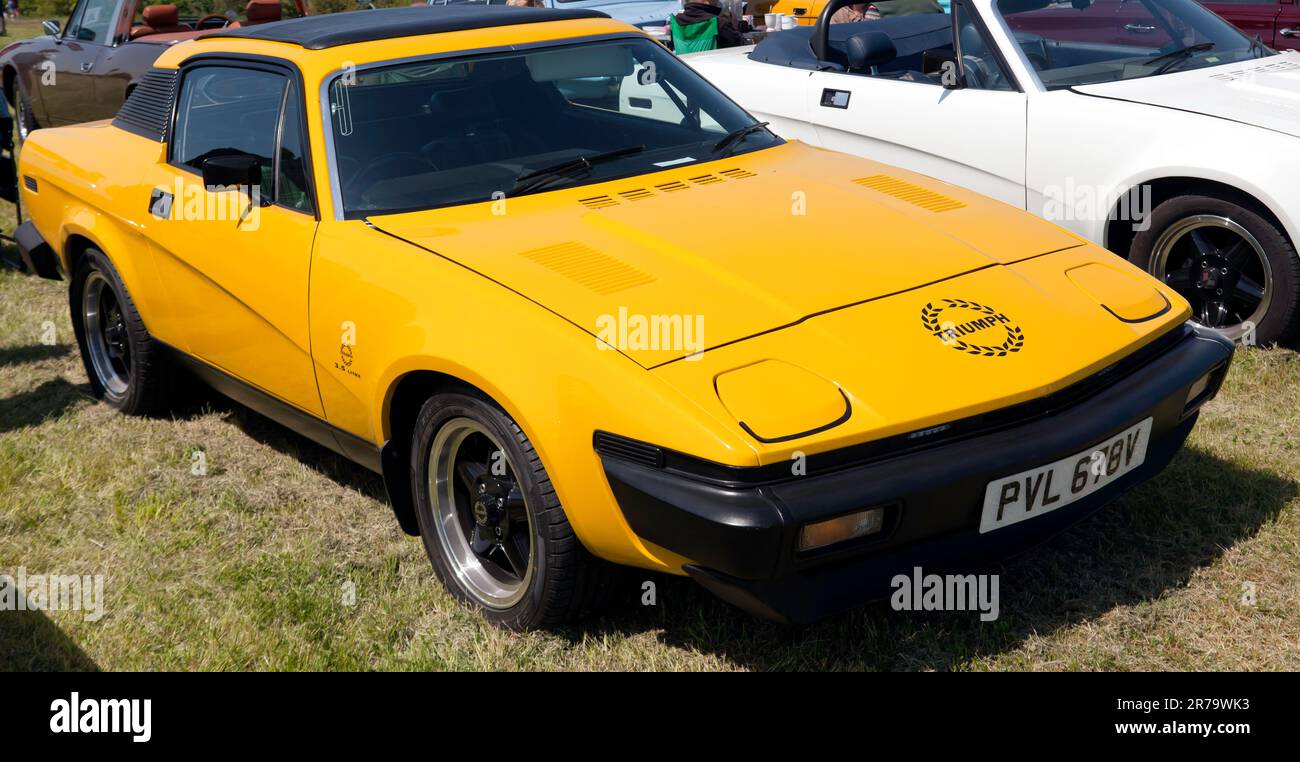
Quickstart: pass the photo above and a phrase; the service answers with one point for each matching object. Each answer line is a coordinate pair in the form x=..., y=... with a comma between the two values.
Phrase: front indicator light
x=1203, y=389
x=1198, y=388
x=837, y=530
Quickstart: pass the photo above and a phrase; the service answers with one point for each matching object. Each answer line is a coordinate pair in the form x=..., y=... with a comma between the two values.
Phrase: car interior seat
x=159, y=19
x=261, y=12
x=473, y=131
x=866, y=51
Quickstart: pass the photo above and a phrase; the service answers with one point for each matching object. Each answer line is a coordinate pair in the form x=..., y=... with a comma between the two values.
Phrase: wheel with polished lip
x=491, y=521
x=127, y=367
x=1232, y=263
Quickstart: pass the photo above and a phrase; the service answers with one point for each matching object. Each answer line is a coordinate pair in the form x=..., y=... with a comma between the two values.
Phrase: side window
x=292, y=185
x=92, y=22
x=225, y=110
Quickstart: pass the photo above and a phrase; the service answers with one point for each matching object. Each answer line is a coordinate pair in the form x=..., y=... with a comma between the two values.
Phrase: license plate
x=1044, y=489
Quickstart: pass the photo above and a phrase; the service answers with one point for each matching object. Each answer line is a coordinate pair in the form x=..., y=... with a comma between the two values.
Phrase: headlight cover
x=1125, y=295
x=774, y=401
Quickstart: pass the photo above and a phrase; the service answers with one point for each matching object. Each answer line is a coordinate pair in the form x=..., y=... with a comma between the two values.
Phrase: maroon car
x=83, y=70
x=1275, y=22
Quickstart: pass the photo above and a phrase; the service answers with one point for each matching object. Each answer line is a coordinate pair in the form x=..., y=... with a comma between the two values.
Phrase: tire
x=127, y=367
x=1229, y=260
x=456, y=437
x=24, y=121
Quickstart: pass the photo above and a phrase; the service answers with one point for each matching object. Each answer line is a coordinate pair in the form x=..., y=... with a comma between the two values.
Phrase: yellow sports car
x=580, y=309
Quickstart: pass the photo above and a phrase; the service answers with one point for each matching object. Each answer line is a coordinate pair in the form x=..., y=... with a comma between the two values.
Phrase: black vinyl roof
x=330, y=30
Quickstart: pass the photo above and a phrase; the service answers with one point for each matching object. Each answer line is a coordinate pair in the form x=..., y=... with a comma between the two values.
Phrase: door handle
x=1139, y=28
x=1289, y=32
x=87, y=65
x=160, y=203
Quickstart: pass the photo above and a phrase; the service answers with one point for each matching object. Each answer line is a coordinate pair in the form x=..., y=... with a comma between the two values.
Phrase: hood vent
x=641, y=194
x=638, y=194
x=706, y=179
x=1268, y=68
x=597, y=202
x=581, y=263
x=912, y=194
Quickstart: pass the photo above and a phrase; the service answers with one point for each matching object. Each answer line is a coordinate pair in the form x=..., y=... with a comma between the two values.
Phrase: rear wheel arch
x=127, y=255
x=75, y=249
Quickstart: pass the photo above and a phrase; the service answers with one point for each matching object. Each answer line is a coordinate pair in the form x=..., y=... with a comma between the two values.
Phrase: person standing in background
x=704, y=12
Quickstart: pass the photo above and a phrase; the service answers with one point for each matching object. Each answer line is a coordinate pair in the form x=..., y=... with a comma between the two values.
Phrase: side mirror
x=945, y=65
x=51, y=28
x=235, y=171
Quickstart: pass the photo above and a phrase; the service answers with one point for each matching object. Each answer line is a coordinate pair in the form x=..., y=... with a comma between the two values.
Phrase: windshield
x=1078, y=42
x=464, y=130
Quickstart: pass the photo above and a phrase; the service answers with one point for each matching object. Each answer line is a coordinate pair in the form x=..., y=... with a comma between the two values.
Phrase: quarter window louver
x=148, y=109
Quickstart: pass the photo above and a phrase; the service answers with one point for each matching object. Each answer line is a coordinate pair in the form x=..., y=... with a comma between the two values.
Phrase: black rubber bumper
x=740, y=527
x=38, y=258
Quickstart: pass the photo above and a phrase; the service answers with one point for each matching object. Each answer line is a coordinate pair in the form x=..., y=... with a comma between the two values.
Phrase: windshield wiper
x=1177, y=56
x=538, y=178
x=735, y=136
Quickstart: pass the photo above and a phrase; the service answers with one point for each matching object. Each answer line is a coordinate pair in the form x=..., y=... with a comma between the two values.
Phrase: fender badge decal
x=958, y=323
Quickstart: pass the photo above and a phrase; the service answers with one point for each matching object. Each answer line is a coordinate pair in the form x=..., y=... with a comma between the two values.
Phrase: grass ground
x=252, y=565
x=21, y=28
x=249, y=566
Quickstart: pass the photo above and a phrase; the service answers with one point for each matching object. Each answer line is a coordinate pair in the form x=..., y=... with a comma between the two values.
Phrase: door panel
x=245, y=287
x=241, y=269
x=973, y=138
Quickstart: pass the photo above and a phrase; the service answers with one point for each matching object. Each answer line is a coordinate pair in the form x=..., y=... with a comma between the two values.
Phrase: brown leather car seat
x=261, y=12
x=159, y=19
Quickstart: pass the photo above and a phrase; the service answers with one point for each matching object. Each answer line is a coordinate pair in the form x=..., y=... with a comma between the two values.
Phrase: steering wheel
x=382, y=168
x=212, y=17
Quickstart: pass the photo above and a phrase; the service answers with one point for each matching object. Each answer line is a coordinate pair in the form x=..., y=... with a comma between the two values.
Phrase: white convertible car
x=1152, y=127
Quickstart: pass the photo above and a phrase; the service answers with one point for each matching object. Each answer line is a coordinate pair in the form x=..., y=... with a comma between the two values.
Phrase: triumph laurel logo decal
x=968, y=322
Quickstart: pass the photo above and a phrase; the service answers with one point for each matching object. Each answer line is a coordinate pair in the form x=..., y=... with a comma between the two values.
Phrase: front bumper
x=740, y=526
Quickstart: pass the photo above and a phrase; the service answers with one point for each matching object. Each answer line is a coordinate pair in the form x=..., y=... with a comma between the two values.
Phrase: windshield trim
x=331, y=156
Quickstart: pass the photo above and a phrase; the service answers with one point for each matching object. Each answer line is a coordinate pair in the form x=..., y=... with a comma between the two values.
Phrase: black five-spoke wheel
x=106, y=335
x=491, y=520
x=481, y=514
x=1229, y=257
x=1219, y=267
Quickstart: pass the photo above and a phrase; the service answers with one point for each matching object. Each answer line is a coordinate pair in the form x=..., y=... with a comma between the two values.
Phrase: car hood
x=732, y=249
x=1264, y=92
x=889, y=367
